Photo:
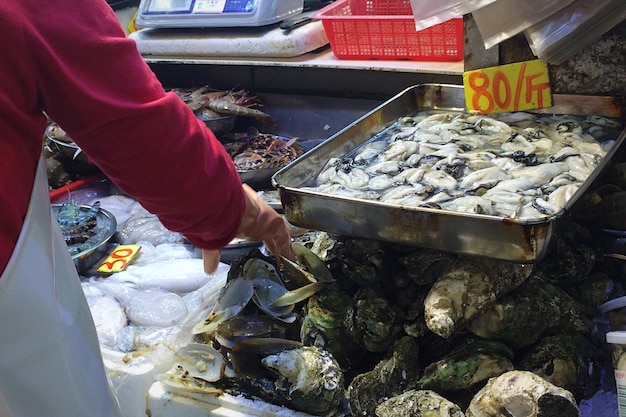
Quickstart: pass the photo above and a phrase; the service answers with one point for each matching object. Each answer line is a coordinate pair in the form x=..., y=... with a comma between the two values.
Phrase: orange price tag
x=119, y=259
x=512, y=87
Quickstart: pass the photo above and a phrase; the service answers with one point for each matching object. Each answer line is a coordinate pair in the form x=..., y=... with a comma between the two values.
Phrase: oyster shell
x=376, y=322
x=324, y=326
x=425, y=265
x=418, y=403
x=523, y=316
x=310, y=377
x=391, y=376
x=522, y=394
x=467, y=288
x=472, y=363
x=569, y=361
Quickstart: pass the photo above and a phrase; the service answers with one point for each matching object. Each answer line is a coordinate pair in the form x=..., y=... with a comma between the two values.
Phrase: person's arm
x=96, y=86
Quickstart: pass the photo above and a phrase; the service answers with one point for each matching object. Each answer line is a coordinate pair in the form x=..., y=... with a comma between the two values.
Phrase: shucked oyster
x=467, y=288
x=522, y=394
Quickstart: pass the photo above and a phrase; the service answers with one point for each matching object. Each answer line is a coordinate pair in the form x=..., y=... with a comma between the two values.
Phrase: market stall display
x=367, y=311
x=369, y=314
x=86, y=230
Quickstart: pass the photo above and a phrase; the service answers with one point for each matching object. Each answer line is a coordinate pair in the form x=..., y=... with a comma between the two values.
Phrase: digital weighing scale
x=214, y=13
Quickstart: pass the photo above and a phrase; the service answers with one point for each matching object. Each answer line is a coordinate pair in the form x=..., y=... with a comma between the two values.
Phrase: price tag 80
x=119, y=259
x=506, y=88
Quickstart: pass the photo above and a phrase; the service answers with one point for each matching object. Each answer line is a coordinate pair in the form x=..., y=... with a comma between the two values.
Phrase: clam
x=177, y=380
x=252, y=277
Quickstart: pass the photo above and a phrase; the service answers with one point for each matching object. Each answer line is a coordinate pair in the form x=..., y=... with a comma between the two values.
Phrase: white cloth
x=50, y=360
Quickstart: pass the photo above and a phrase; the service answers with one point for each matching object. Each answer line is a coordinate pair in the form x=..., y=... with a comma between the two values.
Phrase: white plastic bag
x=503, y=19
x=573, y=28
x=431, y=12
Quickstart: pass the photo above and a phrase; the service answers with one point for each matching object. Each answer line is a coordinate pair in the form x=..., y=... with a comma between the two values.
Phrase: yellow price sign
x=119, y=259
x=505, y=88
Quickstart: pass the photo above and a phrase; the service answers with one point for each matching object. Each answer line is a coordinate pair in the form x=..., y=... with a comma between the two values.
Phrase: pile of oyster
x=363, y=328
x=513, y=165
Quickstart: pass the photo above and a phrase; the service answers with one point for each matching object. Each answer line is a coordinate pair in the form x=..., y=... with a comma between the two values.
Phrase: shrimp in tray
x=207, y=102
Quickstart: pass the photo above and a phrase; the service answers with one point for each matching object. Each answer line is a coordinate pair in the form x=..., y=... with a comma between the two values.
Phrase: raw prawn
x=223, y=103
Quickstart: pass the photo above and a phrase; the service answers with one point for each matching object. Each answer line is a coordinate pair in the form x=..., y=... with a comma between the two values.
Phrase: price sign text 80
x=512, y=87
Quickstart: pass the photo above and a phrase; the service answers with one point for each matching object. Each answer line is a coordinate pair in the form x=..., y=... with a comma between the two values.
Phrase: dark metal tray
x=464, y=233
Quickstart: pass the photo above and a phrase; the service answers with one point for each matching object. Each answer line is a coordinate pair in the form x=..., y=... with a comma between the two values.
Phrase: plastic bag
x=503, y=19
x=431, y=12
x=573, y=28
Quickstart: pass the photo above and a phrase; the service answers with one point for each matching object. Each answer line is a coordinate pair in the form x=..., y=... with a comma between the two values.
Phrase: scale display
x=215, y=13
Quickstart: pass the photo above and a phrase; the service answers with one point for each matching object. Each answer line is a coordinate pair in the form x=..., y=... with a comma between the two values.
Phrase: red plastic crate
x=385, y=29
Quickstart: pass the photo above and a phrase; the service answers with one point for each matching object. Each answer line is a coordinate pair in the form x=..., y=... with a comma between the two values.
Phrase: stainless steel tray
x=473, y=234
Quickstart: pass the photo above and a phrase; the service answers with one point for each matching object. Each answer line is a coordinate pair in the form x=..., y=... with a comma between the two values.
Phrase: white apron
x=50, y=360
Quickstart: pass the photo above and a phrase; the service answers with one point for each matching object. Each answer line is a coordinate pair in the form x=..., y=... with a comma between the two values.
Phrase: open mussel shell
x=266, y=292
x=197, y=366
x=259, y=268
x=308, y=268
x=202, y=361
x=243, y=327
x=290, y=298
x=176, y=380
x=246, y=355
x=237, y=294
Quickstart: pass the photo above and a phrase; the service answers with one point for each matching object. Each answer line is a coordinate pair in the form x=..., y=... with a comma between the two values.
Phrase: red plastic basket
x=385, y=29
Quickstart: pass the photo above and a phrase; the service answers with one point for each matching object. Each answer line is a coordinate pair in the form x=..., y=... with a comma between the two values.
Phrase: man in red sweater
x=72, y=61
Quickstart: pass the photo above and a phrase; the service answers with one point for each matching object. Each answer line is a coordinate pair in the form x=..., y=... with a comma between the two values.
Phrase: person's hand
x=211, y=258
x=260, y=223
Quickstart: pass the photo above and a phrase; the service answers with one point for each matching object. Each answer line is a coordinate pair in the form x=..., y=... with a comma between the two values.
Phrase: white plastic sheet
x=431, y=12
x=573, y=28
x=503, y=19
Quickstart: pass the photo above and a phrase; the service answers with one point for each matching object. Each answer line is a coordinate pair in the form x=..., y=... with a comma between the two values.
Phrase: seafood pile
x=513, y=165
x=77, y=224
x=84, y=228
x=209, y=104
x=358, y=327
x=65, y=160
x=263, y=151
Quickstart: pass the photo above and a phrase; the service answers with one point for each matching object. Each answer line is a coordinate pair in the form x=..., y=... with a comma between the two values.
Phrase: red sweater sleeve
x=74, y=63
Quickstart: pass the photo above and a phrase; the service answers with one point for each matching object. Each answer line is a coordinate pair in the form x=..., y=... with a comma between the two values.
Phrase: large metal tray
x=471, y=234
